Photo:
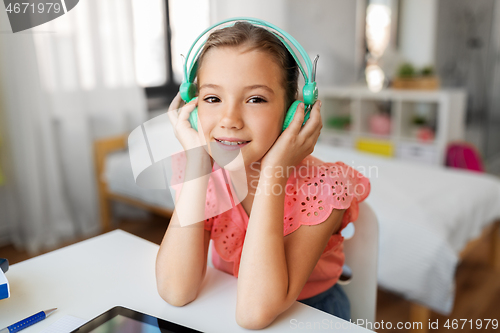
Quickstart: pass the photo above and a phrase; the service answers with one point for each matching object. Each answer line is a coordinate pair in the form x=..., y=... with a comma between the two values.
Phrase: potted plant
x=409, y=78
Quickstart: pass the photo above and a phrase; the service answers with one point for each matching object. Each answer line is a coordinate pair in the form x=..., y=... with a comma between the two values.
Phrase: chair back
x=361, y=255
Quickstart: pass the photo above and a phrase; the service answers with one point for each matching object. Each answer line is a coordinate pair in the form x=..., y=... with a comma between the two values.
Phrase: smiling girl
x=282, y=245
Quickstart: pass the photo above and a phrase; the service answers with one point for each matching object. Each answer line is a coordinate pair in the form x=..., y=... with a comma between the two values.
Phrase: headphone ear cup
x=310, y=93
x=193, y=119
x=291, y=113
x=188, y=91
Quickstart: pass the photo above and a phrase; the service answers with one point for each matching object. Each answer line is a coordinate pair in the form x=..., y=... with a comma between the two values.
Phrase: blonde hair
x=257, y=38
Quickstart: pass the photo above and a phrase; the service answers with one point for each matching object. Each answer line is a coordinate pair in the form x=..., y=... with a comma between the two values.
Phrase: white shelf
x=443, y=110
x=332, y=131
x=366, y=135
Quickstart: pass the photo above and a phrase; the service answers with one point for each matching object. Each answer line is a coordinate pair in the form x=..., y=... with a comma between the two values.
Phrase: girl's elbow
x=177, y=291
x=254, y=317
x=253, y=321
x=175, y=297
x=258, y=314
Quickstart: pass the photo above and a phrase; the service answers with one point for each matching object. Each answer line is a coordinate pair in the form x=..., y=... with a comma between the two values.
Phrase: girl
x=283, y=240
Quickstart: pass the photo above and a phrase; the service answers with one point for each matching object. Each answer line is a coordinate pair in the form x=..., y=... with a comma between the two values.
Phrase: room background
x=78, y=78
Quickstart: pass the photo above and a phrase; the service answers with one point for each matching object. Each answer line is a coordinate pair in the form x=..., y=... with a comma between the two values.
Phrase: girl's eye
x=256, y=100
x=212, y=99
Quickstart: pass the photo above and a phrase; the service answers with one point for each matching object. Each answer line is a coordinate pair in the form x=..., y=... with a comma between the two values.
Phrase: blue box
x=4, y=286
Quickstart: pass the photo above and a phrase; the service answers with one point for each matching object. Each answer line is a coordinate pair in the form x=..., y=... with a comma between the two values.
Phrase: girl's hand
x=179, y=117
x=296, y=142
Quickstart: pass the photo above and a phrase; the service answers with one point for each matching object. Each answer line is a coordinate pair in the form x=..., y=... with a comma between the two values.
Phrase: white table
x=117, y=268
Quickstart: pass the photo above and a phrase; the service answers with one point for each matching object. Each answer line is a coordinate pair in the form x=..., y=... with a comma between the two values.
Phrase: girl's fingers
x=173, y=109
x=176, y=102
x=187, y=109
x=314, y=124
x=298, y=119
x=172, y=115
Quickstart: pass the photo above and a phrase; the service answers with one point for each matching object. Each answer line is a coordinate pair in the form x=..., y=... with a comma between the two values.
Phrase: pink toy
x=425, y=134
x=380, y=124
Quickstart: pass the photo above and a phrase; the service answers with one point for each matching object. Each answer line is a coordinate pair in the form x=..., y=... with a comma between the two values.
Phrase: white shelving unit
x=443, y=111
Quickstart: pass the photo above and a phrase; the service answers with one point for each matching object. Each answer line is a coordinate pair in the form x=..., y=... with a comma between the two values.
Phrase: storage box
x=380, y=147
x=417, y=152
x=337, y=140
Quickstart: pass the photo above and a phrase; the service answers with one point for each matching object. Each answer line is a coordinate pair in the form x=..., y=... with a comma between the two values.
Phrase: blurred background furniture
x=122, y=187
x=420, y=124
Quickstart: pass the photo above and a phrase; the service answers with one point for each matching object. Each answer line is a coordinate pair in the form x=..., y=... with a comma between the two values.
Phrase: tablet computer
x=124, y=320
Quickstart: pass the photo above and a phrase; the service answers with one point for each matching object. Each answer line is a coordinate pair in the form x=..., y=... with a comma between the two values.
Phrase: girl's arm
x=274, y=269
x=182, y=258
x=181, y=262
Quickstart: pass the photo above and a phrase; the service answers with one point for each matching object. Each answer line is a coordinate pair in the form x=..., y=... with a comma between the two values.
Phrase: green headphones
x=309, y=92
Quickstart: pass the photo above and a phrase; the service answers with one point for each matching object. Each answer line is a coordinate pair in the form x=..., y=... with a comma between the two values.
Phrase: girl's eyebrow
x=255, y=86
x=209, y=85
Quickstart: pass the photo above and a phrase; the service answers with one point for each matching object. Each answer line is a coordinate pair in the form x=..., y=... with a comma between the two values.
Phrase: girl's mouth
x=231, y=145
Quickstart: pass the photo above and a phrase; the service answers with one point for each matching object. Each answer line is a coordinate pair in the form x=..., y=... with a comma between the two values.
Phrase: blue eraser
x=4, y=286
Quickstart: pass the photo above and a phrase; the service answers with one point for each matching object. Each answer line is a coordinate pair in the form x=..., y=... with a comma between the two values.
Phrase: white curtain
x=63, y=84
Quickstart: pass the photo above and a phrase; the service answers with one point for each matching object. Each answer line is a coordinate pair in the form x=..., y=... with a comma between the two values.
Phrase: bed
x=428, y=216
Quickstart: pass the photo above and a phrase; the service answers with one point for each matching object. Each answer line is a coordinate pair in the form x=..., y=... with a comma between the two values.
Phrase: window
x=163, y=30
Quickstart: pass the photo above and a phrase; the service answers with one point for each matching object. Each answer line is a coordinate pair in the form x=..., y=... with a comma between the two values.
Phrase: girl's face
x=241, y=98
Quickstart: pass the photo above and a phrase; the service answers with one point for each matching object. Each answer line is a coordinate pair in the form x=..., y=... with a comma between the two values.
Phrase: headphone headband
x=308, y=78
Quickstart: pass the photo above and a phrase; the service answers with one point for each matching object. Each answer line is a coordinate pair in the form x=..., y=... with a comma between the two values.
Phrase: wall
x=5, y=194
x=325, y=27
x=493, y=137
x=5, y=200
x=267, y=10
x=464, y=51
x=328, y=28
x=417, y=31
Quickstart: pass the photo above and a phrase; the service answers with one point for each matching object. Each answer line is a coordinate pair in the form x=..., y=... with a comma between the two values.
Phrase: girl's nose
x=231, y=118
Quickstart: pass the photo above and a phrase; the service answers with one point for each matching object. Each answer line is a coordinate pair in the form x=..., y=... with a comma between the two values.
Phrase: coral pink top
x=310, y=196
